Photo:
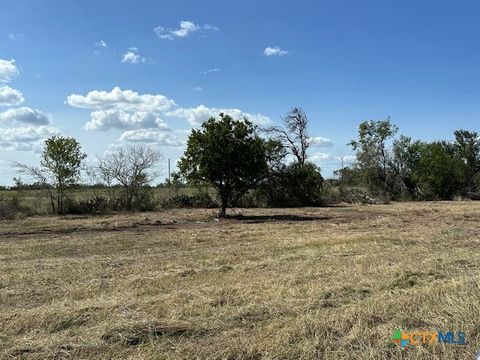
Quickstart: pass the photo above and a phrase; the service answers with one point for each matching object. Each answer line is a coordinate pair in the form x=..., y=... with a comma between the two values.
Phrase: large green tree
x=439, y=173
x=62, y=158
x=227, y=154
x=405, y=156
x=372, y=152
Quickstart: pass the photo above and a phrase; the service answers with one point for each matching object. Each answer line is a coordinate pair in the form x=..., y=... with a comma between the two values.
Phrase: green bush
x=200, y=200
x=438, y=172
x=11, y=208
x=293, y=185
x=145, y=200
x=95, y=206
x=250, y=200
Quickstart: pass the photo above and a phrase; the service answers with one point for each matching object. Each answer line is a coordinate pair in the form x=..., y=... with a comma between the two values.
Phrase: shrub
x=95, y=206
x=293, y=185
x=200, y=200
x=250, y=200
x=10, y=208
x=145, y=200
x=7, y=212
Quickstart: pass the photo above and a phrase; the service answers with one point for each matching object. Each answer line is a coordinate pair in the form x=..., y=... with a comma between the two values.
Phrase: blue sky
x=117, y=72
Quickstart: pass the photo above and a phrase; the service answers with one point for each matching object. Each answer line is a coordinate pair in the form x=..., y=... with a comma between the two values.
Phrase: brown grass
x=328, y=283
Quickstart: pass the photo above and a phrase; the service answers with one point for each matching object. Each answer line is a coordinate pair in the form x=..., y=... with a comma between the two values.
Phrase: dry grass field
x=323, y=283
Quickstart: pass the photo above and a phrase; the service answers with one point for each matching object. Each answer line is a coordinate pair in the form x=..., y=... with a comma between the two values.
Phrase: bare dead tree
x=39, y=176
x=132, y=167
x=294, y=134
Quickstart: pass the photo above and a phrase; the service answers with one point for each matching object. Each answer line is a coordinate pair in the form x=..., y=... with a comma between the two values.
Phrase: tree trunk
x=130, y=202
x=62, y=209
x=52, y=201
x=223, y=211
x=59, y=200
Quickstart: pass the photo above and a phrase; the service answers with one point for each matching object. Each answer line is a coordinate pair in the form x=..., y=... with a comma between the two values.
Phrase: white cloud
x=210, y=27
x=198, y=88
x=27, y=138
x=25, y=115
x=319, y=156
x=195, y=116
x=101, y=44
x=162, y=33
x=208, y=71
x=133, y=57
x=347, y=159
x=185, y=29
x=126, y=100
x=274, y=51
x=153, y=136
x=126, y=109
x=319, y=141
x=327, y=157
x=9, y=96
x=8, y=70
x=119, y=119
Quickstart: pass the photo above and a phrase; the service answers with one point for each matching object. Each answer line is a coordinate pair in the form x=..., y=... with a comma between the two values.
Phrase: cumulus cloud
x=185, y=29
x=28, y=138
x=133, y=57
x=162, y=33
x=327, y=157
x=126, y=100
x=319, y=141
x=118, y=119
x=10, y=97
x=25, y=115
x=153, y=136
x=274, y=51
x=319, y=157
x=101, y=44
x=346, y=159
x=8, y=70
x=195, y=116
x=128, y=110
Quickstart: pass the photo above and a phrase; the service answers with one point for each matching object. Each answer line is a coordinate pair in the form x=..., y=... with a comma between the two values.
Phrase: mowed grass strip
x=329, y=283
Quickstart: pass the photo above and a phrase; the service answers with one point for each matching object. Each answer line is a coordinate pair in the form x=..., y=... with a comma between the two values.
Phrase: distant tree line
x=400, y=168
x=245, y=165
x=232, y=157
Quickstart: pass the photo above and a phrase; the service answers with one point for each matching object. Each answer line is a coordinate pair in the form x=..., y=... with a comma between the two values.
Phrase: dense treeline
x=400, y=168
x=244, y=165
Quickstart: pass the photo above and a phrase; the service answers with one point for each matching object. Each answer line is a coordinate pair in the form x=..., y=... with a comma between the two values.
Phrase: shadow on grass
x=271, y=218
